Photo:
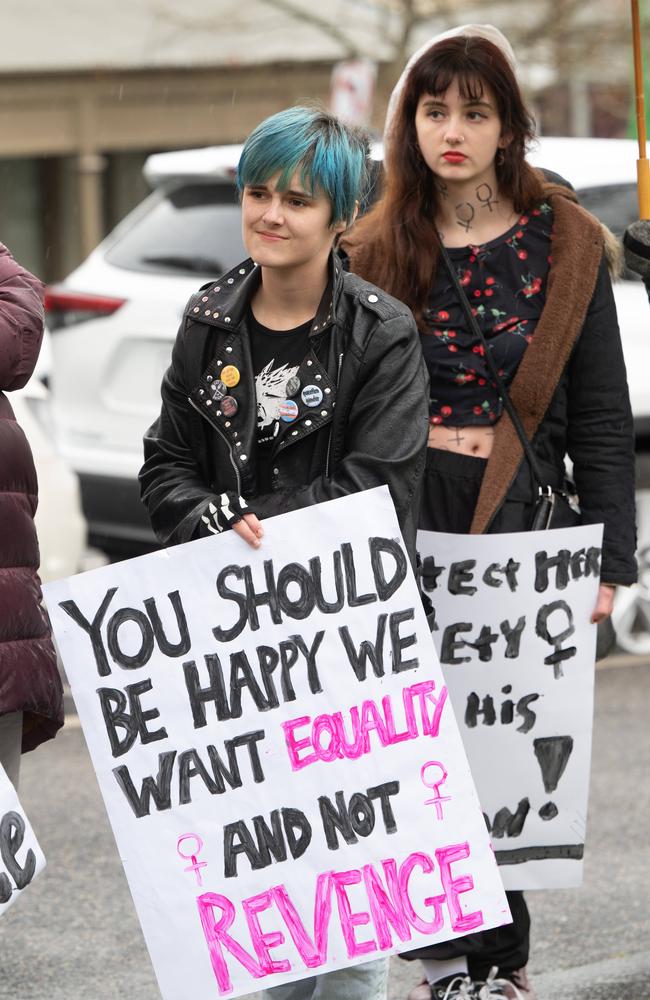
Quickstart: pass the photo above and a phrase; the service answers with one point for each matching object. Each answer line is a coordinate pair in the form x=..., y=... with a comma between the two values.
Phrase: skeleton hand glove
x=226, y=511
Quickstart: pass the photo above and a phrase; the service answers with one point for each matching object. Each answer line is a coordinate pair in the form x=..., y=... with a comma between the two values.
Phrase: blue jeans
x=360, y=982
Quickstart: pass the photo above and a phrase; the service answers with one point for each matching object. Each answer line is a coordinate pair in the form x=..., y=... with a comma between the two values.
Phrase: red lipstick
x=453, y=157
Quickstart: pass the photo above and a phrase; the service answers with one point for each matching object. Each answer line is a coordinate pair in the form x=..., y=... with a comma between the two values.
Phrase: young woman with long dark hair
x=533, y=265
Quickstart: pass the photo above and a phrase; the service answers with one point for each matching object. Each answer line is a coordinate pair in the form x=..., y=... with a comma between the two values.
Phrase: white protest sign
x=513, y=633
x=279, y=761
x=21, y=859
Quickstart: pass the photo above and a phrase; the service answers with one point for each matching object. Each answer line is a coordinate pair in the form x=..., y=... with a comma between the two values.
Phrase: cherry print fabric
x=505, y=283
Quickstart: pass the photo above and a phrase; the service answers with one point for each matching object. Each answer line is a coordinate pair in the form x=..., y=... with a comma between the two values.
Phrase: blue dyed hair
x=331, y=156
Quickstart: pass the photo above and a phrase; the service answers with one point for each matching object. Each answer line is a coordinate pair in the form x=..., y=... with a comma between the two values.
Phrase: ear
x=505, y=140
x=342, y=226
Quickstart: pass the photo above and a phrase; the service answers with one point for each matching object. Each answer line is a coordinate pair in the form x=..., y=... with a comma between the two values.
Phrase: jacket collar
x=225, y=302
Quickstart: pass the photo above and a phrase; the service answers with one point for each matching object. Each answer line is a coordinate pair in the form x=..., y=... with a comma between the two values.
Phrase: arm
x=600, y=434
x=171, y=483
x=21, y=322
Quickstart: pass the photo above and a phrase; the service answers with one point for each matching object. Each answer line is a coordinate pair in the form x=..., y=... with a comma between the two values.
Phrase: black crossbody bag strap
x=503, y=392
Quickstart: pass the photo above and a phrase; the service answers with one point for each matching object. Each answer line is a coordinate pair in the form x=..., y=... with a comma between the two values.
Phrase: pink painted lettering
x=386, y=904
x=313, y=953
x=262, y=943
x=423, y=861
x=216, y=935
x=328, y=740
x=350, y=920
x=453, y=887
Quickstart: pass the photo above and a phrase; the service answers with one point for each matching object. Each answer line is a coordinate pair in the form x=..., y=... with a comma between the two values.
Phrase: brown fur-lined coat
x=571, y=393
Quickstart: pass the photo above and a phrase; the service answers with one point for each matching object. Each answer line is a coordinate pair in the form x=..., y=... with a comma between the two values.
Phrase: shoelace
x=460, y=988
x=492, y=988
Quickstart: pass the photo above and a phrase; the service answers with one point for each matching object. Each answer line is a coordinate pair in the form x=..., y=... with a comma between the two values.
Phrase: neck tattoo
x=485, y=198
x=465, y=215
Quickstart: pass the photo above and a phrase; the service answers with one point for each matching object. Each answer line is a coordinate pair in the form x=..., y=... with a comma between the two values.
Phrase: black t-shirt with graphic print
x=277, y=355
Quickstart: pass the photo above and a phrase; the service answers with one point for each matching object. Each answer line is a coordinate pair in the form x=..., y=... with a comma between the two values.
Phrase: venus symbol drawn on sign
x=195, y=865
x=437, y=799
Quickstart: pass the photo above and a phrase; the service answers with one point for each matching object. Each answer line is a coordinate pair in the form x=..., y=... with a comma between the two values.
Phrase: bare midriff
x=476, y=441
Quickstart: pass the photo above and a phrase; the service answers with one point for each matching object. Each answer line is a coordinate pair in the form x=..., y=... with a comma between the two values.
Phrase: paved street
x=75, y=935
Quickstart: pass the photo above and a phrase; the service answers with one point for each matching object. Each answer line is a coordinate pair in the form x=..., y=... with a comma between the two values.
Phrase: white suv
x=113, y=320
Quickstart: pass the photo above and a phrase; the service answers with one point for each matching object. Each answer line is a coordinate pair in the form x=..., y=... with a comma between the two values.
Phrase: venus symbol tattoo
x=484, y=196
x=465, y=217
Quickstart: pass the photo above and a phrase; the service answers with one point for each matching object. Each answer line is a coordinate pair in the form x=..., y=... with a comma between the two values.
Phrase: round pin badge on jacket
x=312, y=395
x=293, y=385
x=218, y=390
x=230, y=376
x=229, y=406
x=288, y=410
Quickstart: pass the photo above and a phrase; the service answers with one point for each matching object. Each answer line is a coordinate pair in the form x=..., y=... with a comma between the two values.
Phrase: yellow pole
x=642, y=165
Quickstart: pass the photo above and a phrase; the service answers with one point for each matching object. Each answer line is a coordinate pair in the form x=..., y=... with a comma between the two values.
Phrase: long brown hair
x=395, y=244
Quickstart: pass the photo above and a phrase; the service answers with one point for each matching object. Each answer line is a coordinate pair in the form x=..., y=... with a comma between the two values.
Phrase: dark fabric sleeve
x=385, y=433
x=21, y=322
x=601, y=435
x=171, y=484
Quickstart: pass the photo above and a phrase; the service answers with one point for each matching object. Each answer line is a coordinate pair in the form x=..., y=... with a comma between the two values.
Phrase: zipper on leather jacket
x=329, y=440
x=222, y=435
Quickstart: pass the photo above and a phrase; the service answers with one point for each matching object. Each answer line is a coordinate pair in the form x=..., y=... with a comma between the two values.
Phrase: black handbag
x=554, y=508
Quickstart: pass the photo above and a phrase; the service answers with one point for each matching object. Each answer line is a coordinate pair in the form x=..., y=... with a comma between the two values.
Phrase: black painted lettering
x=335, y=817
x=12, y=835
x=190, y=766
x=130, y=661
x=460, y=575
x=242, y=677
x=215, y=691
x=133, y=723
x=368, y=651
x=237, y=839
x=315, y=568
x=310, y=655
x=383, y=793
x=224, y=591
x=483, y=643
x=387, y=546
x=450, y=643
x=93, y=629
x=399, y=643
x=528, y=716
x=300, y=607
x=512, y=635
x=355, y=600
x=158, y=789
x=544, y=563
x=474, y=708
x=167, y=647
x=297, y=830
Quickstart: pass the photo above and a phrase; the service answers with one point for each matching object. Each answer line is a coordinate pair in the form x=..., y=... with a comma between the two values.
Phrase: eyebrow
x=433, y=102
x=291, y=192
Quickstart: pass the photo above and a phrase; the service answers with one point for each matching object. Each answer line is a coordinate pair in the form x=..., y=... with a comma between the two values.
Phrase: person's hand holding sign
x=233, y=512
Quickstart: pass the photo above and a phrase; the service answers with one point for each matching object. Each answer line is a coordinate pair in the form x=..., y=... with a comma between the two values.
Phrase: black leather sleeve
x=600, y=434
x=171, y=484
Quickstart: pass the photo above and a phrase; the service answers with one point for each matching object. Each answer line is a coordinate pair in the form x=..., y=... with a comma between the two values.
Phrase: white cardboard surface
x=215, y=924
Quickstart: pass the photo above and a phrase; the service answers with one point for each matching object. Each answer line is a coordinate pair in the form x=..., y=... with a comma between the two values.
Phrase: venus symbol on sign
x=437, y=799
x=195, y=865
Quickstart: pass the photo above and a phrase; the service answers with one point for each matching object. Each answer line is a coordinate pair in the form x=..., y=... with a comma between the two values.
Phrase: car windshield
x=192, y=229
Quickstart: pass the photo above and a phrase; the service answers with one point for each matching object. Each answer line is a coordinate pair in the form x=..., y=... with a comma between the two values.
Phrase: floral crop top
x=505, y=282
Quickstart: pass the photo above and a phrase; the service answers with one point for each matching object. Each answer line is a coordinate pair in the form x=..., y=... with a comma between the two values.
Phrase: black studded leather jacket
x=371, y=429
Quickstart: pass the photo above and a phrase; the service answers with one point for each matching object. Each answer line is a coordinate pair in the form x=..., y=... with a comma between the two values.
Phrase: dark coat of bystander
x=29, y=678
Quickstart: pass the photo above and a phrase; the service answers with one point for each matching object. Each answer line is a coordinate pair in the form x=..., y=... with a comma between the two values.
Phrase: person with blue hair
x=291, y=381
